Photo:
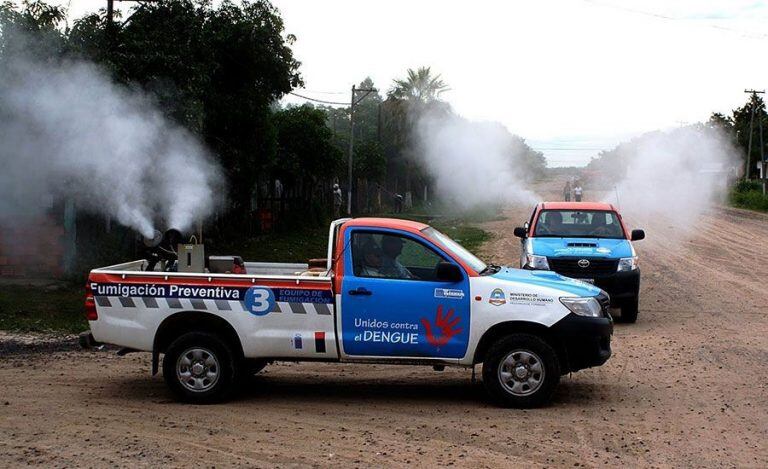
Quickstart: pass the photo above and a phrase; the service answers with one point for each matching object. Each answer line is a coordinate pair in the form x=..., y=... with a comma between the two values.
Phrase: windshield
x=455, y=248
x=579, y=224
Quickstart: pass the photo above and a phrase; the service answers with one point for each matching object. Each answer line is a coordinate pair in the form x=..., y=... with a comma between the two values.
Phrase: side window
x=387, y=255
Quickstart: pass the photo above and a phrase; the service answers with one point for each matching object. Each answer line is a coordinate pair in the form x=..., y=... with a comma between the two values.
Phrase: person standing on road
x=398, y=203
x=567, y=191
x=337, y=200
x=577, y=192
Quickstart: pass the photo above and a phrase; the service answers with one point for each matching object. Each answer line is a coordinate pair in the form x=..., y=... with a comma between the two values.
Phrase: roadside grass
x=297, y=245
x=301, y=245
x=749, y=195
x=471, y=237
x=25, y=308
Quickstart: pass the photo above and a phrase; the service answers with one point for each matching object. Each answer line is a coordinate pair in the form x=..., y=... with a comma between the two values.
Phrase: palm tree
x=419, y=86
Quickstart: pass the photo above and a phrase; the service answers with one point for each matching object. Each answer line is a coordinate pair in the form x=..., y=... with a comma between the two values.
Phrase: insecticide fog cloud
x=673, y=177
x=69, y=132
x=473, y=164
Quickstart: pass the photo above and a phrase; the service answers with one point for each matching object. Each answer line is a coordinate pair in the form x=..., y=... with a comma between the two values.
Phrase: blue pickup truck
x=587, y=241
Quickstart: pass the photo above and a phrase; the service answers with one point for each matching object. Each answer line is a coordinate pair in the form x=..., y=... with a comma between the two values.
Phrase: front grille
x=570, y=267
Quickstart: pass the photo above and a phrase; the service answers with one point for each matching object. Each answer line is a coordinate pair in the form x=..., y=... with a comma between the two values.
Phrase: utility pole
x=352, y=103
x=762, y=155
x=754, y=94
x=110, y=12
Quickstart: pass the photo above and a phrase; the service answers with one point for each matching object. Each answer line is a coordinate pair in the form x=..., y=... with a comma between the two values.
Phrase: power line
x=317, y=100
x=746, y=34
x=325, y=92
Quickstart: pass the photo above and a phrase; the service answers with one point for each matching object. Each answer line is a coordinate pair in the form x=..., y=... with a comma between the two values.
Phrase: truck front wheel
x=200, y=368
x=521, y=370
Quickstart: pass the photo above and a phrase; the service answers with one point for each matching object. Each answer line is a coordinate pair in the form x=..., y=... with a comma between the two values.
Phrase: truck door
x=392, y=303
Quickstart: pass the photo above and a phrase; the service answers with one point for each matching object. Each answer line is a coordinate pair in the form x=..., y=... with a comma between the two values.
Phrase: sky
x=572, y=77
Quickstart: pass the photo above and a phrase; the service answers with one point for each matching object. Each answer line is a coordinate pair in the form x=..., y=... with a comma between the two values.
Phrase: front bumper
x=622, y=286
x=585, y=342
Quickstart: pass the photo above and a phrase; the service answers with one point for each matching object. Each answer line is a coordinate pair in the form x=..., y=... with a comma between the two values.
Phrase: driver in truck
x=372, y=258
x=390, y=266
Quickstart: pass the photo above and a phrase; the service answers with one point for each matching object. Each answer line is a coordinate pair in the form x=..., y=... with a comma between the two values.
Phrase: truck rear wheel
x=629, y=311
x=521, y=370
x=200, y=368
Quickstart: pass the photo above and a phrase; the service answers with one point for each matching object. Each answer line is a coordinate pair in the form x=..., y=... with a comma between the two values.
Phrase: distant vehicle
x=389, y=291
x=587, y=241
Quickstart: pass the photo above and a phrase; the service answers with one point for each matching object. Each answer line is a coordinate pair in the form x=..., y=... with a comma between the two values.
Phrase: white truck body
x=436, y=304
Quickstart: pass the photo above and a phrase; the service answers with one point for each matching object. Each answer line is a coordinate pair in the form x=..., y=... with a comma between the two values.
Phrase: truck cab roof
x=577, y=206
x=394, y=223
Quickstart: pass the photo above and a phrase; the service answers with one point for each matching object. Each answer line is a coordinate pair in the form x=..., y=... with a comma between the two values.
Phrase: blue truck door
x=392, y=303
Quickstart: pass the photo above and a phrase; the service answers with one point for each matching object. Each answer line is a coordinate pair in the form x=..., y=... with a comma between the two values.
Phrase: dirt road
x=686, y=387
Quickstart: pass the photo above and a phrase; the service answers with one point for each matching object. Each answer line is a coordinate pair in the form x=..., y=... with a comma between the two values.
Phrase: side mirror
x=637, y=235
x=447, y=272
x=521, y=232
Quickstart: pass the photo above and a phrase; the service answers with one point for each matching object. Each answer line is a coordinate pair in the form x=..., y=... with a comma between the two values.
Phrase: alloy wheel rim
x=197, y=369
x=521, y=373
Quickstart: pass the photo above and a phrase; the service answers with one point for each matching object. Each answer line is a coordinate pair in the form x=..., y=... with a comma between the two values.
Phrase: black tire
x=211, y=355
x=629, y=311
x=536, y=349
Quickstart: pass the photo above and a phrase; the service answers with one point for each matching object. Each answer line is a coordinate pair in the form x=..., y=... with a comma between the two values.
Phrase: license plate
x=588, y=280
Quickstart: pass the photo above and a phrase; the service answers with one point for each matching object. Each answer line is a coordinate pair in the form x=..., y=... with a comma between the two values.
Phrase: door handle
x=361, y=291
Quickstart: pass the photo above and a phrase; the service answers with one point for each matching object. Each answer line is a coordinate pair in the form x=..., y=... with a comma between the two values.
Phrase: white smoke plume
x=68, y=132
x=473, y=164
x=672, y=178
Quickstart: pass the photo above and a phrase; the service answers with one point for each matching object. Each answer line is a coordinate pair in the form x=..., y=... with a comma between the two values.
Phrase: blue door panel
x=404, y=318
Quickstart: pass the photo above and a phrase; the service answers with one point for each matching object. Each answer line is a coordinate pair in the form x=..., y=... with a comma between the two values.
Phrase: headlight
x=588, y=307
x=537, y=262
x=627, y=263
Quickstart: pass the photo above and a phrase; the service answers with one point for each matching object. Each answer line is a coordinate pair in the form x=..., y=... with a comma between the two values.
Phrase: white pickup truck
x=390, y=291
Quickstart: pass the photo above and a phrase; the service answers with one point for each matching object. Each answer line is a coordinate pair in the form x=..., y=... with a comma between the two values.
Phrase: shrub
x=749, y=195
x=748, y=186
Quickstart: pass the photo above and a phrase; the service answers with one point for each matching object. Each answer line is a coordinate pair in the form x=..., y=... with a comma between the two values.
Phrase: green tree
x=408, y=100
x=370, y=163
x=741, y=124
x=305, y=153
x=33, y=30
x=367, y=113
x=720, y=121
x=419, y=86
x=215, y=70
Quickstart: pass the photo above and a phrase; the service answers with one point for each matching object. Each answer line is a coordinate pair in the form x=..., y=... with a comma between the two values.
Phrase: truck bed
x=260, y=269
x=132, y=303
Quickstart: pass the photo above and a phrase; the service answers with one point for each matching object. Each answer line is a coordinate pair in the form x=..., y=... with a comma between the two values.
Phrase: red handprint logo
x=444, y=325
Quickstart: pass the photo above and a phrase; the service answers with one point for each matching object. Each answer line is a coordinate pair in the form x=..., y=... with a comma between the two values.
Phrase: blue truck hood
x=573, y=247
x=545, y=278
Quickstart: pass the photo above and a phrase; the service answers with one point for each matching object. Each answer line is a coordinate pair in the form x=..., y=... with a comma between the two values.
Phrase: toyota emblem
x=583, y=263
